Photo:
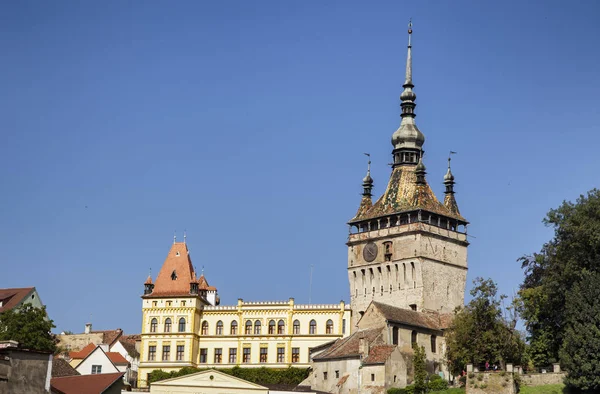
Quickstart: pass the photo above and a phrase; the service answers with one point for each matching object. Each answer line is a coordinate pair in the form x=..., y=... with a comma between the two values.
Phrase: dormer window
x=177, y=253
x=174, y=275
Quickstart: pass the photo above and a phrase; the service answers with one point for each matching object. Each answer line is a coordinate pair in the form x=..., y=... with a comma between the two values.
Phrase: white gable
x=96, y=357
x=210, y=379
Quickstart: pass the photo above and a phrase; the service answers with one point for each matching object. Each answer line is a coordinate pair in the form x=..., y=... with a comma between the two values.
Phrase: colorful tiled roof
x=60, y=367
x=9, y=298
x=88, y=384
x=403, y=194
x=176, y=273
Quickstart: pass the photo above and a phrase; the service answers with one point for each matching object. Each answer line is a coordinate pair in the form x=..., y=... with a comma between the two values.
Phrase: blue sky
x=245, y=123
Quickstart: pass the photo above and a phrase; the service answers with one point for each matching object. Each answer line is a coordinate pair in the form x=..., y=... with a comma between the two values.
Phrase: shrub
x=462, y=381
x=471, y=375
x=436, y=383
x=502, y=373
x=479, y=377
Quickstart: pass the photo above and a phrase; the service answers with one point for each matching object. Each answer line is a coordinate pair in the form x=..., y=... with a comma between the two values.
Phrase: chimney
x=88, y=328
x=363, y=347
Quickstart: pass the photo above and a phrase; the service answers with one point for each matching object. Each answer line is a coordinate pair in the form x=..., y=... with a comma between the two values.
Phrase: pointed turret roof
x=176, y=273
x=407, y=189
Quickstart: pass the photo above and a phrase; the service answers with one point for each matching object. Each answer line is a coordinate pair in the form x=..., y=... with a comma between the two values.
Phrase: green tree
x=420, y=372
x=481, y=333
x=29, y=326
x=580, y=350
x=550, y=275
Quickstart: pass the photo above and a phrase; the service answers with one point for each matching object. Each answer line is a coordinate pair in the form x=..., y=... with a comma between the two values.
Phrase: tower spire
x=449, y=200
x=408, y=139
x=367, y=180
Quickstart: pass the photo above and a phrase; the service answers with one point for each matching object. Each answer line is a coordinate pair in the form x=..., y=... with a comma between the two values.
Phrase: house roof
x=378, y=354
x=10, y=298
x=99, y=349
x=176, y=273
x=89, y=384
x=430, y=320
x=109, y=336
x=349, y=347
x=83, y=353
x=60, y=367
x=116, y=358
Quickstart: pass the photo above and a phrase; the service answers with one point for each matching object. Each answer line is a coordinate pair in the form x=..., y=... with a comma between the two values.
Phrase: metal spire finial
x=184, y=235
x=409, y=57
x=175, y=236
x=368, y=163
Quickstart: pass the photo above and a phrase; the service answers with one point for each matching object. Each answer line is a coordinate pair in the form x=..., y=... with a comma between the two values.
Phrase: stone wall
x=490, y=382
x=24, y=372
x=540, y=379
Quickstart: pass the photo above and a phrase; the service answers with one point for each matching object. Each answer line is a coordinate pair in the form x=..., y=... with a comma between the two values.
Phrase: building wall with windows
x=180, y=332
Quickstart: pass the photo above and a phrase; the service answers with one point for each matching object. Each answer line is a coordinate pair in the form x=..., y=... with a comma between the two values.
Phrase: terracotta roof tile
x=116, y=358
x=88, y=384
x=60, y=367
x=12, y=297
x=349, y=346
x=379, y=354
x=431, y=320
x=83, y=353
x=176, y=273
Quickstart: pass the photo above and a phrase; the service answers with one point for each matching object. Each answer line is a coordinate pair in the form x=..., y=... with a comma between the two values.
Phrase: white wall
x=98, y=357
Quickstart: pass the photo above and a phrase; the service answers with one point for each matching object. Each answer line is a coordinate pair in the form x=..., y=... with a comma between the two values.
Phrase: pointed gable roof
x=83, y=353
x=176, y=273
x=429, y=320
x=9, y=298
x=349, y=347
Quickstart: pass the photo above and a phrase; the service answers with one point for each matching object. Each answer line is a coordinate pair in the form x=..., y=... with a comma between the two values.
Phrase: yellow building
x=184, y=325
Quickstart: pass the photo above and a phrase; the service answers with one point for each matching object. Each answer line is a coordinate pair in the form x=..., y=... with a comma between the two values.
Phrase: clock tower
x=408, y=249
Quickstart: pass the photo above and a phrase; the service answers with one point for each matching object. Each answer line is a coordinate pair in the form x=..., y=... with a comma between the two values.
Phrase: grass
x=546, y=389
x=450, y=391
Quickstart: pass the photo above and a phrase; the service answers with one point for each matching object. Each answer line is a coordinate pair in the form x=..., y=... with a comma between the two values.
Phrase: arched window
x=233, y=329
x=219, y=328
x=296, y=327
x=153, y=325
x=168, y=325
x=182, y=324
x=280, y=327
x=433, y=344
x=329, y=327
x=204, y=327
x=413, y=338
x=272, y=327
x=257, y=327
x=313, y=327
x=248, y=330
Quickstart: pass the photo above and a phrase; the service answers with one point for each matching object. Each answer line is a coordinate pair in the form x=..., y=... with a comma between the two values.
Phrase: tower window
x=387, y=247
x=153, y=325
x=173, y=275
x=182, y=325
x=413, y=307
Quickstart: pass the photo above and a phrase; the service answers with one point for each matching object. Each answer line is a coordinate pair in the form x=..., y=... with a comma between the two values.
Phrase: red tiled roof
x=379, y=354
x=116, y=358
x=176, y=273
x=12, y=297
x=349, y=346
x=83, y=353
x=60, y=367
x=88, y=384
x=148, y=281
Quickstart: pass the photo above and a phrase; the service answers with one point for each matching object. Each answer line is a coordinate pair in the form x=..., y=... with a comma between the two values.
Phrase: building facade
x=184, y=325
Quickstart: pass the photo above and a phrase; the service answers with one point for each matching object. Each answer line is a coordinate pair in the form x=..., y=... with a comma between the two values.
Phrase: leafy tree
x=580, y=350
x=420, y=372
x=29, y=326
x=547, y=305
x=480, y=332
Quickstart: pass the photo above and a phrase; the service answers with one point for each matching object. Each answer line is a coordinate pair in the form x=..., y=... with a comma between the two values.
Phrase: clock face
x=370, y=252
